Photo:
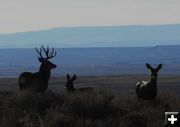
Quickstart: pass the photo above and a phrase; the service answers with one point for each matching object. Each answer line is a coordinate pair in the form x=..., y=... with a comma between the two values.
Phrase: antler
x=48, y=54
x=39, y=52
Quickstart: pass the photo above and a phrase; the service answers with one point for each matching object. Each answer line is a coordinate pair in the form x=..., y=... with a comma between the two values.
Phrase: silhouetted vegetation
x=83, y=109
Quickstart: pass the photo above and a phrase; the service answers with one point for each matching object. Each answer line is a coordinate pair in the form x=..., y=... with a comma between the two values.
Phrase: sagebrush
x=83, y=109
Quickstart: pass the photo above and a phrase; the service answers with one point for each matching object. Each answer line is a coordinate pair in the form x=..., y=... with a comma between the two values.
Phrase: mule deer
x=70, y=85
x=147, y=90
x=38, y=82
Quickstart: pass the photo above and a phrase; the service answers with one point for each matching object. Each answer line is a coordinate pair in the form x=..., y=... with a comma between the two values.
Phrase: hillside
x=95, y=36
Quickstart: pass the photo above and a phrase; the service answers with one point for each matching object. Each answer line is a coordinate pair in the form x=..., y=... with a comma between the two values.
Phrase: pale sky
x=30, y=15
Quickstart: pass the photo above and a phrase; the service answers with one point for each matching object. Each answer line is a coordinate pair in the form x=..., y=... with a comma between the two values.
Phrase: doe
x=147, y=90
x=70, y=85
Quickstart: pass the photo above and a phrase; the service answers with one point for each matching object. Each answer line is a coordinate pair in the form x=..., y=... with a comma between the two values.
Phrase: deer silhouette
x=38, y=82
x=147, y=90
x=70, y=85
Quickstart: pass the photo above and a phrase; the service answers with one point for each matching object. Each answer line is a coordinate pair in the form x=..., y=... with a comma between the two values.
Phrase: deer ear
x=74, y=77
x=149, y=66
x=40, y=59
x=159, y=67
x=68, y=77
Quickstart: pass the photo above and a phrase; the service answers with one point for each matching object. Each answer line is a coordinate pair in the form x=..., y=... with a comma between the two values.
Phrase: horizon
x=20, y=16
x=100, y=26
x=96, y=36
x=51, y=46
x=89, y=23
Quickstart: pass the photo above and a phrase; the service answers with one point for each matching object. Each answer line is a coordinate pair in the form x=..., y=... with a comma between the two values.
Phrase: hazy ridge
x=110, y=36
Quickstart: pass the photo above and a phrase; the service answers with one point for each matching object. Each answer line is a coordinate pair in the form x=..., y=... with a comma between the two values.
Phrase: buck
x=147, y=90
x=70, y=85
x=38, y=82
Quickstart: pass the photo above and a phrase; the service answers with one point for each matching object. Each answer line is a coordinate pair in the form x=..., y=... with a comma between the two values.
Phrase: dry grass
x=83, y=109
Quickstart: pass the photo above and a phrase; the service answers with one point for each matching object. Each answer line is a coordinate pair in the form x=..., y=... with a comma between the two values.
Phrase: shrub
x=83, y=109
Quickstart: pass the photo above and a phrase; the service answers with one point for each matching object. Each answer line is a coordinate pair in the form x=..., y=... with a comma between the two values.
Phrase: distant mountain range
x=112, y=36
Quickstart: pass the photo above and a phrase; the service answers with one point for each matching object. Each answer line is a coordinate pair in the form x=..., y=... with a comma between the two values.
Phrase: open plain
x=116, y=84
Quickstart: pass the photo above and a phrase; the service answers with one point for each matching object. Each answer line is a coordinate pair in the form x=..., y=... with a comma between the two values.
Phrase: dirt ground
x=116, y=84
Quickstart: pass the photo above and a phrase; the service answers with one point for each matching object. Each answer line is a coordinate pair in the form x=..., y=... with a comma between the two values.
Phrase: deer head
x=154, y=71
x=45, y=63
x=69, y=84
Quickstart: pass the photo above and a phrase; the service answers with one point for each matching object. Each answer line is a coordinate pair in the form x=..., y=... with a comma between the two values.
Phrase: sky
x=32, y=15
